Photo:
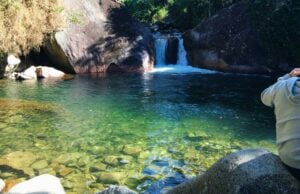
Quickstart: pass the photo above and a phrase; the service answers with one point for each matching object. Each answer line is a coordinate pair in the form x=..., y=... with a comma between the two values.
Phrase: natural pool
x=147, y=131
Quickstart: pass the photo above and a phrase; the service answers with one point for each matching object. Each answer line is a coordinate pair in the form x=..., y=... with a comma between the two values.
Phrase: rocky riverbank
x=245, y=171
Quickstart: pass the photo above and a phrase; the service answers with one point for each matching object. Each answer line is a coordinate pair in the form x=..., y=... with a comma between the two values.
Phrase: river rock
x=111, y=177
x=246, y=171
x=20, y=161
x=111, y=160
x=100, y=36
x=39, y=72
x=172, y=50
x=40, y=165
x=115, y=189
x=229, y=42
x=97, y=167
x=132, y=150
x=40, y=184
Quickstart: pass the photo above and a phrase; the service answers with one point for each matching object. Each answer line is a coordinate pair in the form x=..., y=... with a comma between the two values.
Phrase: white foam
x=181, y=69
x=182, y=63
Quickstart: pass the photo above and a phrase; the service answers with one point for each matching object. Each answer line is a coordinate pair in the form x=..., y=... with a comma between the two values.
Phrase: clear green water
x=132, y=130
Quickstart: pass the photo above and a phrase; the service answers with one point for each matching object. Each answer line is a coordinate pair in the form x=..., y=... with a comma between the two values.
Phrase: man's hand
x=295, y=72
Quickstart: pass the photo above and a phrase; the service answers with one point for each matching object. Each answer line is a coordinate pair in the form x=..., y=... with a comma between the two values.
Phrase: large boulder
x=248, y=171
x=229, y=42
x=100, y=33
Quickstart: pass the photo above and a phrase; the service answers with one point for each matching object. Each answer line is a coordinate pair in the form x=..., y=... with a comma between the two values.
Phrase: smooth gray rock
x=114, y=189
x=100, y=36
x=252, y=171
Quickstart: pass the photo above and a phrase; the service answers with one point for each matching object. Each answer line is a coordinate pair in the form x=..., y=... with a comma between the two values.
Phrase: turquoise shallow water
x=136, y=130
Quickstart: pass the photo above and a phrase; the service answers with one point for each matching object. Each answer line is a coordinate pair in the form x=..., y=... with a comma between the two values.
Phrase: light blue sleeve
x=267, y=96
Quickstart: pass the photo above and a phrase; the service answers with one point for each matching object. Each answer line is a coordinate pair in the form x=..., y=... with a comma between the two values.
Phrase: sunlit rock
x=39, y=164
x=111, y=160
x=12, y=65
x=39, y=72
x=40, y=184
x=132, y=150
x=116, y=43
x=97, y=167
x=112, y=177
x=246, y=171
x=20, y=161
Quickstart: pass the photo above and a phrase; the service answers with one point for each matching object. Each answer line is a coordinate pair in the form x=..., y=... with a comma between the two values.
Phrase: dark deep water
x=147, y=131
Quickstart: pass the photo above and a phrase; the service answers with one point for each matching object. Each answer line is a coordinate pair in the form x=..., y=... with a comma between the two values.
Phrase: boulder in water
x=39, y=72
x=246, y=171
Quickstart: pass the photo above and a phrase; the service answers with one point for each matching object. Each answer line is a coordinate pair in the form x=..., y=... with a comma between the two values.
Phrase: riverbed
x=148, y=132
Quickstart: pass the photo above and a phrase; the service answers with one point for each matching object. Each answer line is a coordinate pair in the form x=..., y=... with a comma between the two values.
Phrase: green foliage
x=24, y=23
x=278, y=23
x=182, y=14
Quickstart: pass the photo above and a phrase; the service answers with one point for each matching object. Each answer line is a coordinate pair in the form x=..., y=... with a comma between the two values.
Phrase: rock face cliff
x=229, y=42
x=100, y=36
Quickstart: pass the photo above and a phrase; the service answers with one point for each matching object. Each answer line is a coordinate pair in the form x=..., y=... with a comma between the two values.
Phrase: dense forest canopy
x=181, y=14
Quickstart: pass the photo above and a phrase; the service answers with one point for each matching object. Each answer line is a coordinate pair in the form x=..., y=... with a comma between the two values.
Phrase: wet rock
x=19, y=160
x=132, y=150
x=97, y=167
x=40, y=184
x=111, y=160
x=64, y=171
x=47, y=171
x=117, y=42
x=114, y=189
x=68, y=158
x=67, y=184
x=246, y=171
x=111, y=177
x=40, y=165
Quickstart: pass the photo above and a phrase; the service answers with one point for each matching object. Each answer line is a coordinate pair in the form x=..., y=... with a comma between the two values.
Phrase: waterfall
x=181, y=54
x=182, y=64
x=160, y=48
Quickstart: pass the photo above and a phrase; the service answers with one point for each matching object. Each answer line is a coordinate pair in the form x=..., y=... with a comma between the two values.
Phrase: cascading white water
x=182, y=64
x=181, y=54
x=160, y=48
